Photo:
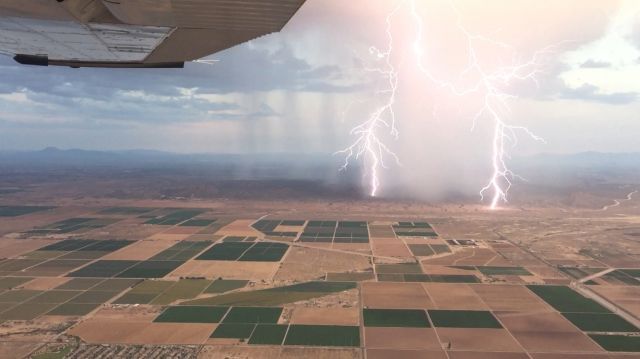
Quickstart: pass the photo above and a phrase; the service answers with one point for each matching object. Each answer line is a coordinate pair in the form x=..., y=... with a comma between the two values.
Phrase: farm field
x=217, y=280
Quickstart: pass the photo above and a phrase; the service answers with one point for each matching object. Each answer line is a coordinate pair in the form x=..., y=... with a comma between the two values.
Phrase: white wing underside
x=86, y=32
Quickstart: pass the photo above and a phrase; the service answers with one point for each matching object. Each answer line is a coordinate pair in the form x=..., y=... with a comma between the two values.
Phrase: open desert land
x=307, y=277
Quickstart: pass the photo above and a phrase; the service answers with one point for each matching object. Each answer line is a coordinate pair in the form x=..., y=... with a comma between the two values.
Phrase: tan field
x=141, y=250
x=395, y=295
x=240, y=227
x=486, y=355
x=627, y=297
x=326, y=316
x=45, y=283
x=401, y=338
x=227, y=270
x=487, y=340
x=555, y=333
x=509, y=298
x=142, y=333
x=444, y=296
x=303, y=263
x=405, y=354
x=10, y=247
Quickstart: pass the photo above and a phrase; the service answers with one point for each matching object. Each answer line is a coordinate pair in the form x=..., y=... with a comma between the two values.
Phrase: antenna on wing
x=206, y=62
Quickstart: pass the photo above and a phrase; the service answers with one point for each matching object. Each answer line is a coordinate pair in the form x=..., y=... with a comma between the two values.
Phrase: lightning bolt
x=369, y=144
x=492, y=86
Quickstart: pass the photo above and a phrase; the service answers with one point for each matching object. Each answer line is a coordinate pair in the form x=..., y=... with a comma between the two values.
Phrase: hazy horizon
x=301, y=91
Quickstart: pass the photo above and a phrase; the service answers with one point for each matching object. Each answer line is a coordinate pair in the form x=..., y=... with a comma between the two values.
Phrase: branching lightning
x=492, y=87
x=369, y=143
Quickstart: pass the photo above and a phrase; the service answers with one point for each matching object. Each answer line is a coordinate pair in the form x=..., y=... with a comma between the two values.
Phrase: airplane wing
x=133, y=33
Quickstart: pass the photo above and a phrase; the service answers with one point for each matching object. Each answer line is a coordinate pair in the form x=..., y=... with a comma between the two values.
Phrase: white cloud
x=16, y=97
x=615, y=48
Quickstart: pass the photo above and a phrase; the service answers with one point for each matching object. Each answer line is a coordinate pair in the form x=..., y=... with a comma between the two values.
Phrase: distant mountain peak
x=51, y=149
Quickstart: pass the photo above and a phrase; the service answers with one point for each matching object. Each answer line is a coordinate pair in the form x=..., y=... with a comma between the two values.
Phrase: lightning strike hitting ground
x=492, y=86
x=369, y=144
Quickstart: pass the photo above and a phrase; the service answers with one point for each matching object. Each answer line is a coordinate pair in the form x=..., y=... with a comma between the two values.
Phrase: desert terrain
x=122, y=262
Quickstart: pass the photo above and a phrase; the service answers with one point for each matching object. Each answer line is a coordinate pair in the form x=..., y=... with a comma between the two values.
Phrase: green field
x=192, y=314
x=55, y=296
x=268, y=334
x=596, y=322
x=39, y=254
x=622, y=276
x=103, y=269
x=429, y=278
x=565, y=300
x=106, y=246
x=150, y=269
x=11, y=282
x=463, y=319
x=617, y=343
x=197, y=223
x=293, y=222
x=73, y=225
x=415, y=233
x=136, y=298
x=323, y=335
x=18, y=295
x=17, y=265
x=225, y=285
x=233, y=331
x=93, y=296
x=396, y=277
x=175, y=217
x=68, y=245
x=74, y=309
x=116, y=284
x=5, y=306
x=80, y=254
x=402, y=268
x=576, y=273
x=265, y=252
x=253, y=315
x=631, y=272
x=414, y=229
x=454, y=278
x=54, y=267
x=245, y=251
x=233, y=239
x=228, y=251
x=183, y=289
x=278, y=295
x=15, y=211
x=317, y=287
x=27, y=311
x=144, y=292
x=350, y=277
x=183, y=250
x=395, y=318
x=421, y=250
